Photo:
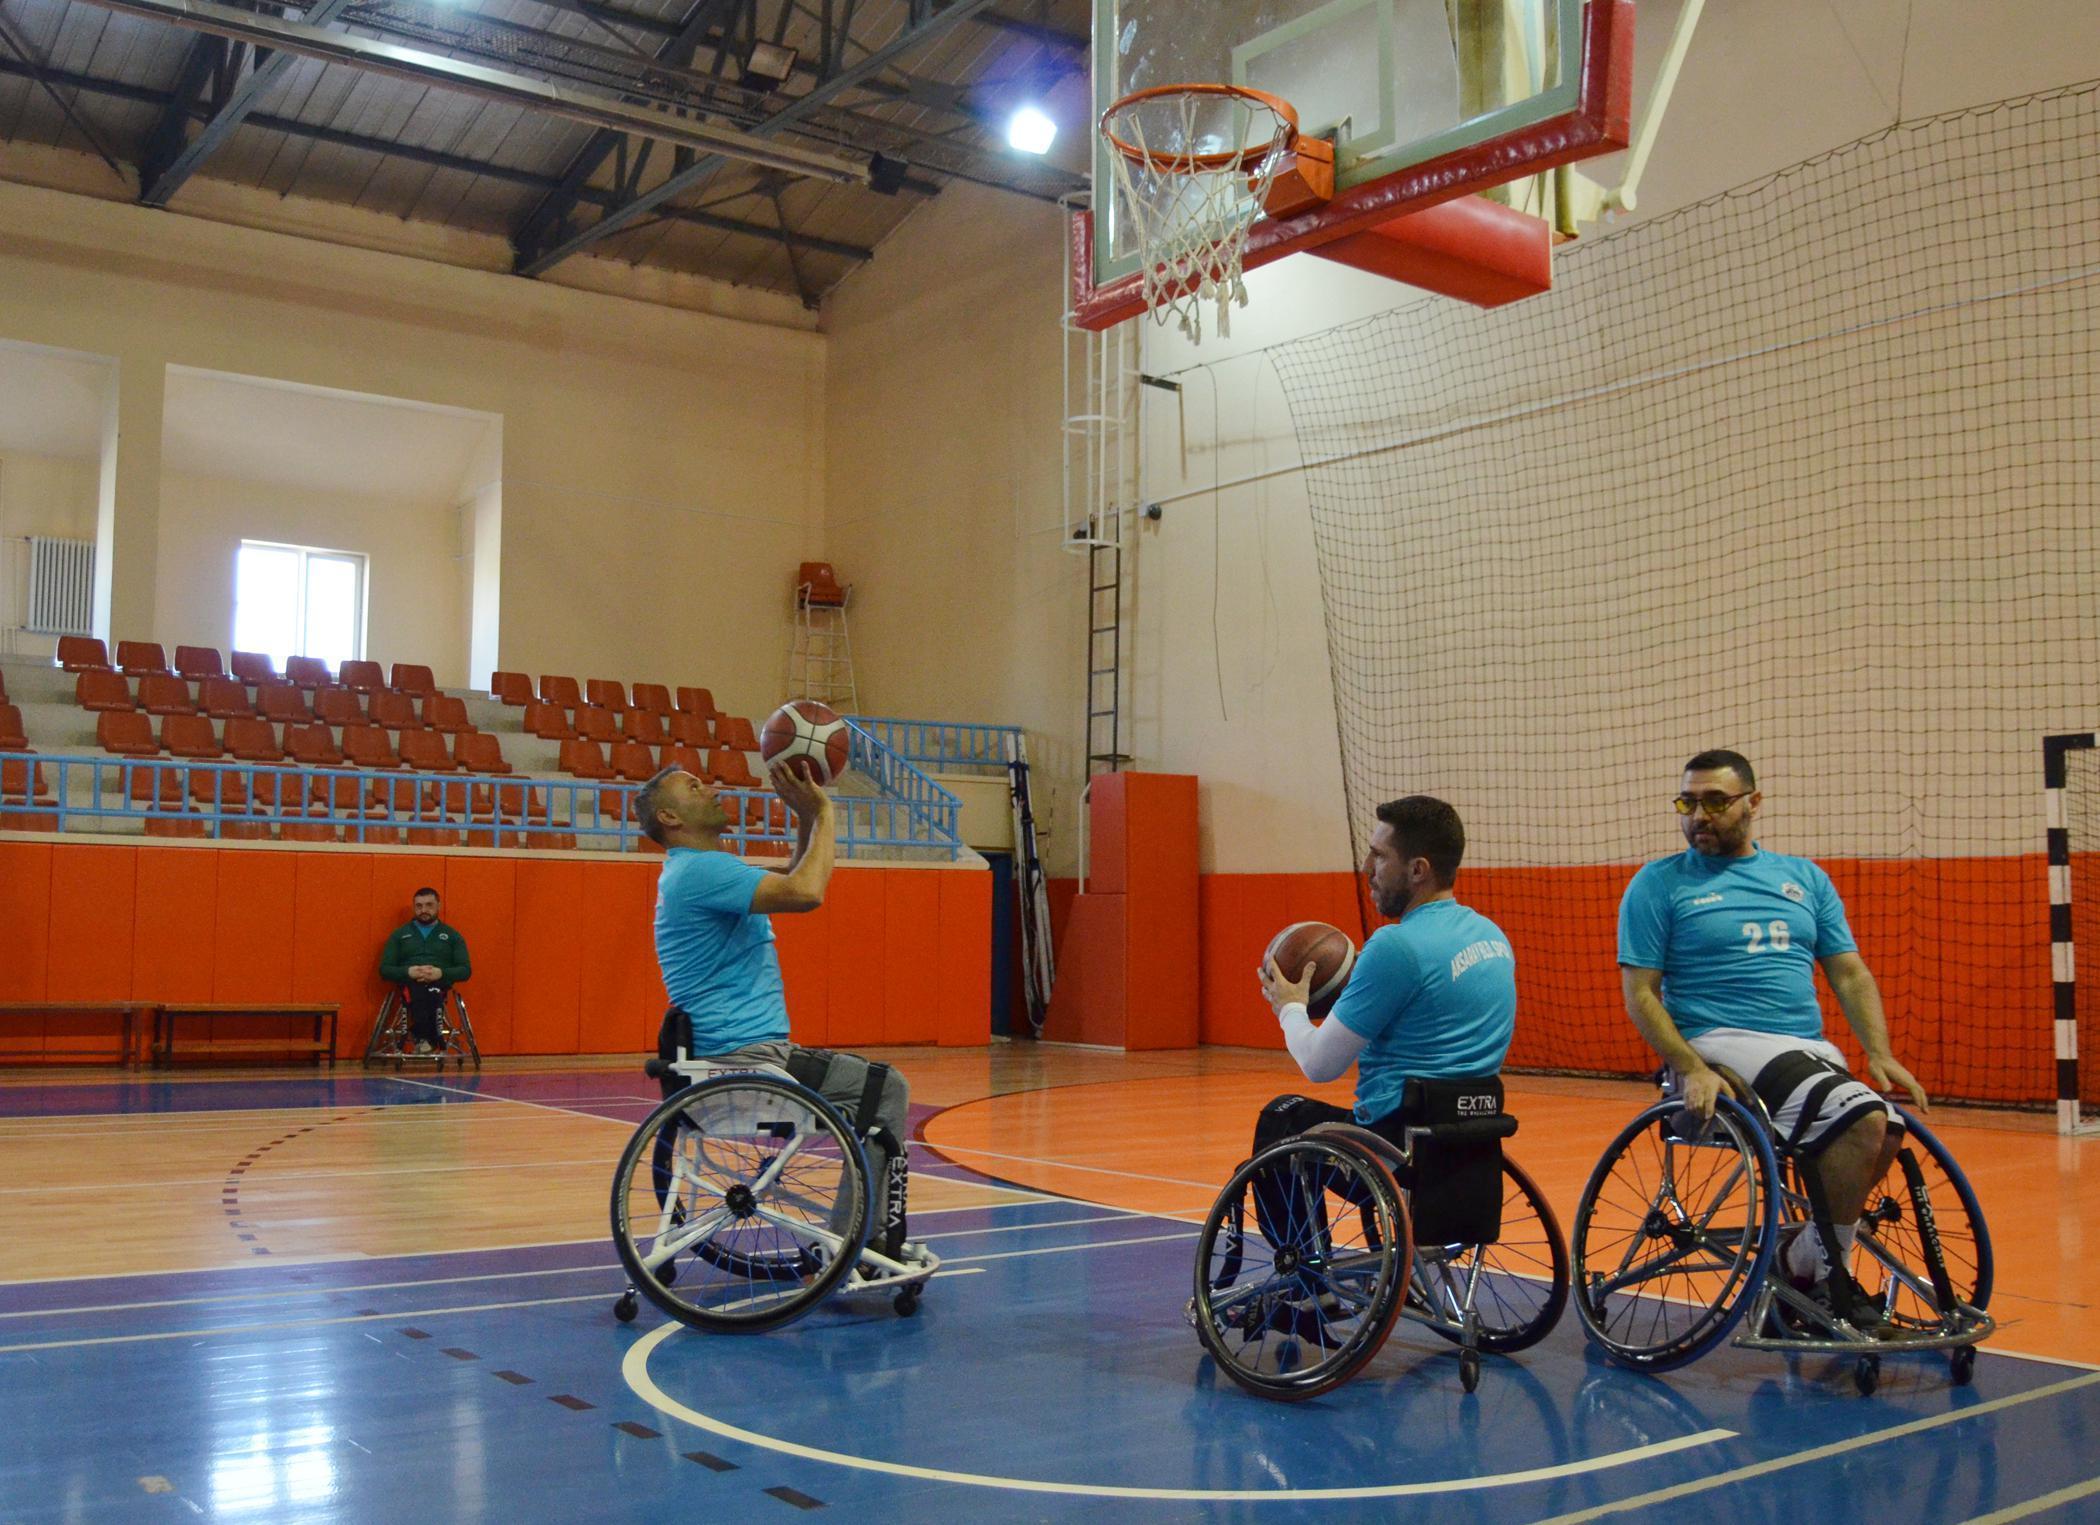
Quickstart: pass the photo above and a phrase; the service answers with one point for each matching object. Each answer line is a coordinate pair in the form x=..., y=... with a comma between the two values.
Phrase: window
x=296, y=601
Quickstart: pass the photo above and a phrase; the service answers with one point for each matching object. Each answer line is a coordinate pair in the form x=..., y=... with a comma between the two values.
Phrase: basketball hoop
x=1193, y=165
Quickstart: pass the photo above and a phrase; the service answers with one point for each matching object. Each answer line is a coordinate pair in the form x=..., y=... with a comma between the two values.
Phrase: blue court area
x=1048, y=1375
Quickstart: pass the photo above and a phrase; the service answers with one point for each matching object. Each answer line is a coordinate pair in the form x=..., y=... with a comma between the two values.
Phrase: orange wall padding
x=563, y=950
x=1959, y=946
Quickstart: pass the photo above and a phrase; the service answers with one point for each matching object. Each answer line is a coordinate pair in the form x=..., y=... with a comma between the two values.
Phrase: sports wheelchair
x=1678, y=1232
x=1352, y=1229
x=391, y=1043
x=743, y=1201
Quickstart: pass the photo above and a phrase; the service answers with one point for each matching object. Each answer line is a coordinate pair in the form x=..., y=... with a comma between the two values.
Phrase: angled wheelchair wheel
x=740, y=1203
x=1673, y=1234
x=1301, y=1267
x=1893, y=1263
x=1520, y=1282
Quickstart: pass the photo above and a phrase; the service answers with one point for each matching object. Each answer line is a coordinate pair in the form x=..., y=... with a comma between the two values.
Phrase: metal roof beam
x=262, y=122
x=532, y=261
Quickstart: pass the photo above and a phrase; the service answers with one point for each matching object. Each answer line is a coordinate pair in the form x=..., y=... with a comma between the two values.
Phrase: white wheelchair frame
x=872, y=1270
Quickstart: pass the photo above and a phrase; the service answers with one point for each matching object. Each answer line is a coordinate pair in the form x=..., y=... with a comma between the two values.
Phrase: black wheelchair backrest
x=1456, y=1128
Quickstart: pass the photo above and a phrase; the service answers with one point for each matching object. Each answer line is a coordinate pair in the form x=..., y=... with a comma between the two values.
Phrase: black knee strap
x=871, y=1098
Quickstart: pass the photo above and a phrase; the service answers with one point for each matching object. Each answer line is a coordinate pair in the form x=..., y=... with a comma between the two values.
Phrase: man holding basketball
x=1718, y=948
x=715, y=946
x=1432, y=997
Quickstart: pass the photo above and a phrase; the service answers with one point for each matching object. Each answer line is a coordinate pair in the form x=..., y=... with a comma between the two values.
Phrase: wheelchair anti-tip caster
x=1469, y=1369
x=906, y=1302
x=627, y=1307
x=1964, y=1364
x=1866, y=1375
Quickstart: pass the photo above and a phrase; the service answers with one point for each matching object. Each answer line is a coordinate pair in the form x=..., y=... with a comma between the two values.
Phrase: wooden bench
x=166, y=1015
x=126, y=1012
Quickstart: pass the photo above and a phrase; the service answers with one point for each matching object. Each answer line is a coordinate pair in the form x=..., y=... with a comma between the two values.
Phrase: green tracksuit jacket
x=443, y=947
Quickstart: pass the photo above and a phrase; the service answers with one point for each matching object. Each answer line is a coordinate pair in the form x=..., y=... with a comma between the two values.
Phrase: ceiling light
x=1030, y=131
x=769, y=62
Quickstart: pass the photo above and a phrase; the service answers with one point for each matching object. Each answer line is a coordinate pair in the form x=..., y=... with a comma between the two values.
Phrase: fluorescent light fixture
x=771, y=62
x=1030, y=131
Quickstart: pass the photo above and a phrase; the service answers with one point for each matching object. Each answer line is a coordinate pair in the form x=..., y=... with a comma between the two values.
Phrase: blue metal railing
x=237, y=800
x=935, y=810
x=942, y=745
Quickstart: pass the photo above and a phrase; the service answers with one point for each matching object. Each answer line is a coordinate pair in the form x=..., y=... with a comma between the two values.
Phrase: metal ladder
x=1038, y=958
x=820, y=662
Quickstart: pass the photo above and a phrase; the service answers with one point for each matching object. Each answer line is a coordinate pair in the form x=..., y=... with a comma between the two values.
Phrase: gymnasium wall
x=413, y=581
x=39, y=495
x=661, y=470
x=561, y=945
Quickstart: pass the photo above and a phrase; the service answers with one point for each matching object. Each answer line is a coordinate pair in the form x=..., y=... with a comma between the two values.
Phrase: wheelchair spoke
x=665, y=1245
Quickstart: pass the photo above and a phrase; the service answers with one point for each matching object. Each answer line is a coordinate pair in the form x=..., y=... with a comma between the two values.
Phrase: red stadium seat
x=18, y=779
x=12, y=737
x=609, y=692
x=127, y=733
x=697, y=701
x=692, y=729
x=252, y=740
x=443, y=712
x=338, y=706
x=632, y=761
x=308, y=673
x=198, y=662
x=218, y=789
x=644, y=726
x=82, y=653
x=153, y=788
x=3, y=685
x=596, y=724
x=336, y=791
x=163, y=693
x=101, y=689
x=425, y=752
x=224, y=698
x=448, y=835
x=253, y=667
x=549, y=722
x=479, y=752
x=361, y=675
x=560, y=691
x=413, y=678
x=511, y=687
x=138, y=658
x=817, y=586
x=185, y=826
x=282, y=704
x=314, y=826
x=366, y=746
x=584, y=759
x=729, y=768
x=653, y=697
x=735, y=731
x=263, y=789
x=689, y=759
x=396, y=711
x=313, y=745
x=190, y=736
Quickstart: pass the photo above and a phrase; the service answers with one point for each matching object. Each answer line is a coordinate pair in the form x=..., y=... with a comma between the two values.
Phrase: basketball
x=807, y=736
x=1327, y=949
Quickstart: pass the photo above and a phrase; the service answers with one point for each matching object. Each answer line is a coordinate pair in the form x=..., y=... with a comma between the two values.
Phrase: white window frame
x=359, y=562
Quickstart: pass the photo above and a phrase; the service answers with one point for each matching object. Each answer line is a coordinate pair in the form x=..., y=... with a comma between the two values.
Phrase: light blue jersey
x=1737, y=939
x=1435, y=995
x=718, y=958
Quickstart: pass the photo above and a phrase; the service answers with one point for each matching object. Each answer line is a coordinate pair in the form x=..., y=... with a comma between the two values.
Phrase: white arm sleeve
x=1324, y=1052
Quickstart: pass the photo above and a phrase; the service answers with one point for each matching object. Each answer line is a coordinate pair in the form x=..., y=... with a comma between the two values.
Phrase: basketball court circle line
x=635, y=1371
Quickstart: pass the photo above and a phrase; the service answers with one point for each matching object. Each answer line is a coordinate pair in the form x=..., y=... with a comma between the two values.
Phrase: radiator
x=61, y=586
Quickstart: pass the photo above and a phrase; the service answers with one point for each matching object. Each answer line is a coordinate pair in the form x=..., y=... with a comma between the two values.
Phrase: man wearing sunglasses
x=1718, y=948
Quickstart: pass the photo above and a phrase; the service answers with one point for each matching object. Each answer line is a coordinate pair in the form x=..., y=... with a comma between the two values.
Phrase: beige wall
x=39, y=495
x=411, y=551
x=662, y=470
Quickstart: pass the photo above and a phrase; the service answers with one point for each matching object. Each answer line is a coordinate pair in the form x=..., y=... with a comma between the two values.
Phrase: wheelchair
x=391, y=1042
x=744, y=1200
x=1351, y=1231
x=1678, y=1232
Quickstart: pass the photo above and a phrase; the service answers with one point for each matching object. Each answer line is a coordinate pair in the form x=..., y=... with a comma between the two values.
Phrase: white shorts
x=1803, y=1083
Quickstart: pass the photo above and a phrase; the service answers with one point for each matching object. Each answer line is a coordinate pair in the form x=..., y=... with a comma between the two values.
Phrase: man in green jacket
x=426, y=958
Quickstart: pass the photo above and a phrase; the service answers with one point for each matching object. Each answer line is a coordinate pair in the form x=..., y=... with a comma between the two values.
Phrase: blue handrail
x=944, y=745
x=934, y=809
x=375, y=805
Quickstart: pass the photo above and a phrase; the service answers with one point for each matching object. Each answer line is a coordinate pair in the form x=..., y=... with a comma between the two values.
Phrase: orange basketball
x=1327, y=949
x=808, y=737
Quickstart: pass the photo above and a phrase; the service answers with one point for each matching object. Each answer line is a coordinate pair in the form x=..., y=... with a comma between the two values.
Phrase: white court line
x=1822, y=1453
x=423, y=1313
x=635, y=1370
x=2054, y=1500
x=348, y=1289
x=1097, y=1170
x=257, y=1176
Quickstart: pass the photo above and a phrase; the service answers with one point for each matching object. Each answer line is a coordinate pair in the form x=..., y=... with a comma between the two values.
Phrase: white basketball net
x=1189, y=223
